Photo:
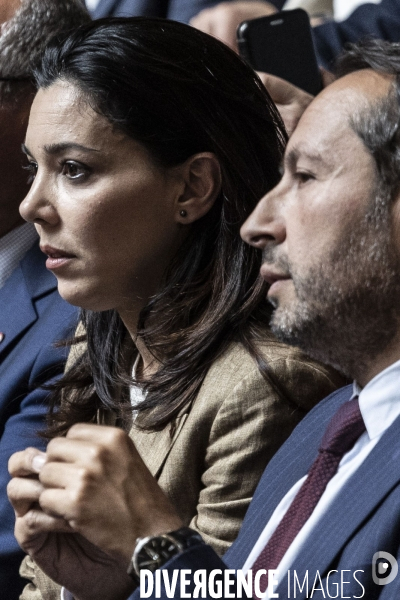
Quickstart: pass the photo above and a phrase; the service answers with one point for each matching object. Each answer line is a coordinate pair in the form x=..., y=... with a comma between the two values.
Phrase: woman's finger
x=93, y=433
x=26, y=462
x=86, y=443
x=35, y=523
x=58, y=504
x=67, y=450
x=22, y=493
x=60, y=475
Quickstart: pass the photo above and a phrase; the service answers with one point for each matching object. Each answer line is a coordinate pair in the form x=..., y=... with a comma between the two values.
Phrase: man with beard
x=326, y=515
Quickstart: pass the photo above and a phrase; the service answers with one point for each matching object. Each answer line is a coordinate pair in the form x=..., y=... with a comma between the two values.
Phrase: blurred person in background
x=7, y=9
x=177, y=10
x=32, y=314
x=373, y=19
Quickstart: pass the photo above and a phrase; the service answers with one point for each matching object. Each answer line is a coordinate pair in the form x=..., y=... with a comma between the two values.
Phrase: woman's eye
x=74, y=170
x=32, y=168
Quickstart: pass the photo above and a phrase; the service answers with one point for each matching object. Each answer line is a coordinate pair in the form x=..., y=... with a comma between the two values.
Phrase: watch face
x=155, y=553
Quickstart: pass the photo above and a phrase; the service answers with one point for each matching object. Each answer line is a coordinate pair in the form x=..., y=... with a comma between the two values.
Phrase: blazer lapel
x=357, y=500
x=155, y=447
x=29, y=281
x=290, y=464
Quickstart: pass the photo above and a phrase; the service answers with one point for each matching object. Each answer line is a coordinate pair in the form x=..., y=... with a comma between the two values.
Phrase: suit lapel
x=130, y=8
x=14, y=322
x=376, y=477
x=289, y=465
x=29, y=281
x=154, y=448
x=104, y=8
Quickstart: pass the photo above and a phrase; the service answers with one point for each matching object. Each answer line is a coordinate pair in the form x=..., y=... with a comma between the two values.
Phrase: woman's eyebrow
x=59, y=148
x=63, y=146
x=26, y=150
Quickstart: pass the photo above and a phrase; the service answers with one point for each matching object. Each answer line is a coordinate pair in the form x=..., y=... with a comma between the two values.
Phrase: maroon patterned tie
x=342, y=432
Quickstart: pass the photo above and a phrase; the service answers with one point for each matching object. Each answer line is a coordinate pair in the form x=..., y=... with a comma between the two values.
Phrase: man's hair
x=377, y=124
x=24, y=37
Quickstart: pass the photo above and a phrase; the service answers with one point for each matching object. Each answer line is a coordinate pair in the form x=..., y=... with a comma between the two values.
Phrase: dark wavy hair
x=177, y=91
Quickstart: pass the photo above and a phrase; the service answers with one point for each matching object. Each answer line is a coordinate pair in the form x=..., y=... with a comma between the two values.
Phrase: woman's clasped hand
x=86, y=501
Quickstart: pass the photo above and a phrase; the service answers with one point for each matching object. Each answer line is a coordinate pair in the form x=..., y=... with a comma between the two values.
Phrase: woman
x=149, y=144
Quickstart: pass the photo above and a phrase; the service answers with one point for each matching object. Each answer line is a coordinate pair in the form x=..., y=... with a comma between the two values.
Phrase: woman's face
x=107, y=216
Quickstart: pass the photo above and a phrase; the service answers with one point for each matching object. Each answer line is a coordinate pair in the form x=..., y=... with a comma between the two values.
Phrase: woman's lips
x=56, y=263
x=56, y=258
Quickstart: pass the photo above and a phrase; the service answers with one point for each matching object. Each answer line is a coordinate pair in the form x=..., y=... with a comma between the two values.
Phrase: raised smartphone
x=282, y=45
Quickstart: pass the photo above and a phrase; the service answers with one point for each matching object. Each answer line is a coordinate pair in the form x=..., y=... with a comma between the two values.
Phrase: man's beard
x=347, y=308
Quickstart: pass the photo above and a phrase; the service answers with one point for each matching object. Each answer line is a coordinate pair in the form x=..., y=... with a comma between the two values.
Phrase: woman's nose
x=37, y=207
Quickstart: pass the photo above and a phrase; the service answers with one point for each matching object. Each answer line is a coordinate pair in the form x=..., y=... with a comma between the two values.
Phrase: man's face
x=328, y=251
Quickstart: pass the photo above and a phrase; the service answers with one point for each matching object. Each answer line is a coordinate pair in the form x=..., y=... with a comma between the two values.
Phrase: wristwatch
x=154, y=551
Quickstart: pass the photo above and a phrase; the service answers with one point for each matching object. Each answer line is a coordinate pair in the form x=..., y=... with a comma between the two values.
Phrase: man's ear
x=201, y=175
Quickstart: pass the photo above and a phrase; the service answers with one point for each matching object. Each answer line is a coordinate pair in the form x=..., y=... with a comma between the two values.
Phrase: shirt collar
x=13, y=247
x=380, y=400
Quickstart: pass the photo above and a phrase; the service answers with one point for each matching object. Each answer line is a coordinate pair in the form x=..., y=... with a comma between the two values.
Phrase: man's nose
x=265, y=225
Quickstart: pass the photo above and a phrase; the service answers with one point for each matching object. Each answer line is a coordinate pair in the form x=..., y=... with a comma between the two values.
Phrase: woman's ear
x=201, y=175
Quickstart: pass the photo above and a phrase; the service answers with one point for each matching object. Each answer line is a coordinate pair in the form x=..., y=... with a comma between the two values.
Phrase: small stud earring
x=183, y=213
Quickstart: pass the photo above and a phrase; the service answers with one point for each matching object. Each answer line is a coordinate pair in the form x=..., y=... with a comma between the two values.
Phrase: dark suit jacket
x=32, y=317
x=374, y=20
x=177, y=10
x=362, y=520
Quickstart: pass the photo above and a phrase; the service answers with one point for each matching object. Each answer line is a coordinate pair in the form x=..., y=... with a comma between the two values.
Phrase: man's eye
x=32, y=168
x=74, y=170
x=303, y=176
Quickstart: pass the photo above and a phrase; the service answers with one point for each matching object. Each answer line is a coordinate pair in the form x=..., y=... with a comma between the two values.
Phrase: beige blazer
x=219, y=447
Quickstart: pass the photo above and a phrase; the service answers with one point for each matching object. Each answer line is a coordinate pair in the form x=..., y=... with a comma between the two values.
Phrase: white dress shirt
x=343, y=8
x=136, y=392
x=13, y=247
x=92, y=4
x=379, y=405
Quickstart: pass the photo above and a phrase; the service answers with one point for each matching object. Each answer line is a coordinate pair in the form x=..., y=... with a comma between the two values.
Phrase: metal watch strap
x=187, y=537
x=181, y=539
